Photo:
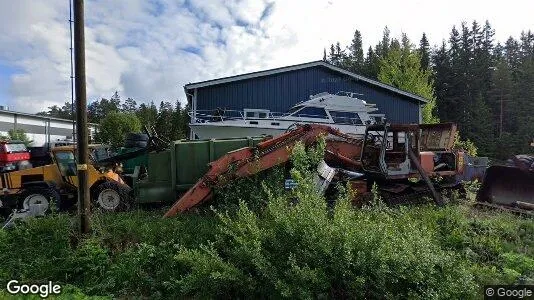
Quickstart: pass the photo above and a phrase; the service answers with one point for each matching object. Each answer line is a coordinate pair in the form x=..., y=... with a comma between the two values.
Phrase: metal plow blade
x=509, y=186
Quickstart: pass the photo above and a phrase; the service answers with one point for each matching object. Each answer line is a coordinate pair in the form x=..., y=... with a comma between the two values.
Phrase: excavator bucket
x=507, y=185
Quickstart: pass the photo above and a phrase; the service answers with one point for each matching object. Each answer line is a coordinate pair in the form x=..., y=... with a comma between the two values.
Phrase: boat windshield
x=311, y=112
x=293, y=109
x=345, y=117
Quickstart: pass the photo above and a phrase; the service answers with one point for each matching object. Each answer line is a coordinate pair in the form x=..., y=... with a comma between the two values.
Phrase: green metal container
x=173, y=171
x=129, y=165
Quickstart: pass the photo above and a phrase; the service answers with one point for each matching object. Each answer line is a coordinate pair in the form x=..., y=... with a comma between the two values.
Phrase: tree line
x=117, y=117
x=483, y=85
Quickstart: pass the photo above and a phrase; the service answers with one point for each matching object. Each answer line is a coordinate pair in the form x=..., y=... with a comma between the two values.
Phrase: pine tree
x=524, y=94
x=442, y=80
x=477, y=129
x=164, y=119
x=424, y=52
x=129, y=105
x=457, y=88
x=99, y=109
x=115, y=99
x=383, y=46
x=498, y=52
x=180, y=121
x=332, y=58
x=355, y=56
x=501, y=103
x=147, y=114
x=340, y=56
x=372, y=64
x=527, y=43
x=512, y=52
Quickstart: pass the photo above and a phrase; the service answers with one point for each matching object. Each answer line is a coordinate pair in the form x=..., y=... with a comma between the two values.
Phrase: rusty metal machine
x=267, y=154
x=393, y=156
x=400, y=158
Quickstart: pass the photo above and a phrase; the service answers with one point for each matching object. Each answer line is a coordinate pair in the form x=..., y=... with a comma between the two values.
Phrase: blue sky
x=148, y=49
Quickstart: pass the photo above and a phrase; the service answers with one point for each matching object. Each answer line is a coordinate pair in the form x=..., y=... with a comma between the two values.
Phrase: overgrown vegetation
x=283, y=244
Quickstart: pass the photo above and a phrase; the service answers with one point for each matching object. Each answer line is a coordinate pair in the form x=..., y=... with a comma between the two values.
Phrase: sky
x=148, y=49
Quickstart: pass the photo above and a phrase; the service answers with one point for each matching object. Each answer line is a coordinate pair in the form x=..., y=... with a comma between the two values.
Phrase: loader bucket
x=505, y=185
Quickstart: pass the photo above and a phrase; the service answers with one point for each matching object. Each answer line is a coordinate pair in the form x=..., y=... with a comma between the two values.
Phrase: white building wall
x=39, y=129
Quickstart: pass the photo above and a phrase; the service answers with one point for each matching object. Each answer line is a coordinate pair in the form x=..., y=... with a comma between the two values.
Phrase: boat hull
x=209, y=131
x=217, y=131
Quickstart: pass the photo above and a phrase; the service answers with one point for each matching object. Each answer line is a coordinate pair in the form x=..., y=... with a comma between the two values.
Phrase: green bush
x=114, y=127
x=282, y=244
x=298, y=249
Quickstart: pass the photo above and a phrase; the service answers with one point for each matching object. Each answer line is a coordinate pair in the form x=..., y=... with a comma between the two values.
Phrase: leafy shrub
x=466, y=145
x=115, y=125
x=297, y=249
x=284, y=244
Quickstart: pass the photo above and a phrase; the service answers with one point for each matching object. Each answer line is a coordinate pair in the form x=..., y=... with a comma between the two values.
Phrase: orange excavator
x=391, y=154
x=267, y=154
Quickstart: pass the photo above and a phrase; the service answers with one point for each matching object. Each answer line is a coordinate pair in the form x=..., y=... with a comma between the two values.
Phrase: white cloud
x=149, y=49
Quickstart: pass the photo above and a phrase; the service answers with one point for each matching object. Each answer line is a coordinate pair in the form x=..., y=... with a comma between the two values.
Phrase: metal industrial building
x=279, y=89
x=39, y=129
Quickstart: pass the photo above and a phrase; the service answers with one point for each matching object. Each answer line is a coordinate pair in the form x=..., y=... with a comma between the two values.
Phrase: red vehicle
x=14, y=156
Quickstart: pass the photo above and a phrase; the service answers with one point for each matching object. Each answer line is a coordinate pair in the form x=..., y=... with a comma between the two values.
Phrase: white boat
x=344, y=111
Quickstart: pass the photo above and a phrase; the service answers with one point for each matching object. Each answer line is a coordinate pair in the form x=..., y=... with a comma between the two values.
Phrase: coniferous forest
x=484, y=85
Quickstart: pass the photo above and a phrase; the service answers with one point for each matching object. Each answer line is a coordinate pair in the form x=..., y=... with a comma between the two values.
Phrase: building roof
x=18, y=113
x=318, y=63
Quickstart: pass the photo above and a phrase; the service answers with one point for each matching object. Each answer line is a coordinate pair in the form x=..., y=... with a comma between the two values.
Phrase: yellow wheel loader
x=36, y=188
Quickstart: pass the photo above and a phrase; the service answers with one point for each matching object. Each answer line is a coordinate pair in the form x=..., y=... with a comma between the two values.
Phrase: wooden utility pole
x=84, y=203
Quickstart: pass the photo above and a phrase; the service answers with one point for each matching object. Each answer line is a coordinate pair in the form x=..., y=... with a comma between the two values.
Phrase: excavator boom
x=251, y=160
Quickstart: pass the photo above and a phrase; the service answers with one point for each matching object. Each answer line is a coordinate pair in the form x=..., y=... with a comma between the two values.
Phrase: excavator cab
x=387, y=147
x=385, y=150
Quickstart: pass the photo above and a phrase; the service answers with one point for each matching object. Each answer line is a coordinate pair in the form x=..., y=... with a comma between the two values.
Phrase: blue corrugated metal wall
x=279, y=92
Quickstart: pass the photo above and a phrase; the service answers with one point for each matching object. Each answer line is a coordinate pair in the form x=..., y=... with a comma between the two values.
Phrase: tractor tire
x=135, y=144
x=38, y=199
x=23, y=165
x=137, y=137
x=112, y=196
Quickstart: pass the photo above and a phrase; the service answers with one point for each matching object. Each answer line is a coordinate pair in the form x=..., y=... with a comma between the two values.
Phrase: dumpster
x=129, y=165
x=175, y=170
x=475, y=168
